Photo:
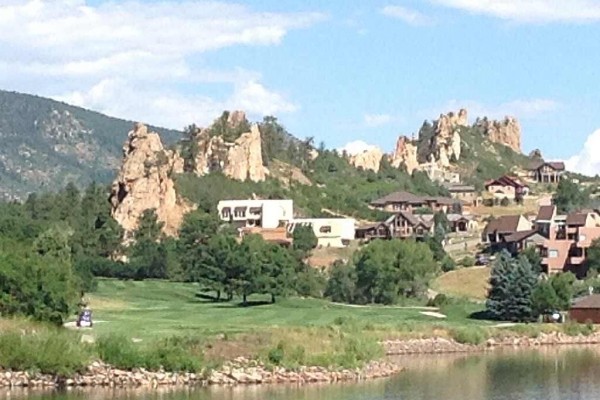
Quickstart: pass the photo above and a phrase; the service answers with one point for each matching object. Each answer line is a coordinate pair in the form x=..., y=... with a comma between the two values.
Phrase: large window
x=325, y=229
x=552, y=253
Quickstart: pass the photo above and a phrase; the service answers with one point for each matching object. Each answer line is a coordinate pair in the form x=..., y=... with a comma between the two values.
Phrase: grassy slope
x=153, y=308
x=471, y=283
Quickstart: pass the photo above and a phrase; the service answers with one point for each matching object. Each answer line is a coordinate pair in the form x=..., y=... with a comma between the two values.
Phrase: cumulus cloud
x=531, y=11
x=357, y=147
x=587, y=161
x=375, y=120
x=520, y=108
x=94, y=53
x=410, y=16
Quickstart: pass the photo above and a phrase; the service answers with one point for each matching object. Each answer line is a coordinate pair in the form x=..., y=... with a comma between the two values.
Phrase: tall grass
x=50, y=351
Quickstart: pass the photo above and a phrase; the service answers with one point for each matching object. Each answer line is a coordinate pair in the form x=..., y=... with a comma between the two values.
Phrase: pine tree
x=512, y=284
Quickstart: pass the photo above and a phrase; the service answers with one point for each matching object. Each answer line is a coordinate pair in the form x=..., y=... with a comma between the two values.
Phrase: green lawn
x=152, y=309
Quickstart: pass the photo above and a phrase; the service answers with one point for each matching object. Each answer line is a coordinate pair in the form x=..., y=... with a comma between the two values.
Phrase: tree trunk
x=218, y=295
x=272, y=298
x=244, y=302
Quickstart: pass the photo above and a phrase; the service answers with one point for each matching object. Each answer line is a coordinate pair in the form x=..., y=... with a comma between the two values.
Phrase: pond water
x=549, y=374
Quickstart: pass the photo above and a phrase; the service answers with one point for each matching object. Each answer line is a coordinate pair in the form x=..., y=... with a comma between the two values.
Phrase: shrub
x=276, y=354
x=467, y=261
x=439, y=300
x=469, y=335
x=448, y=264
x=505, y=202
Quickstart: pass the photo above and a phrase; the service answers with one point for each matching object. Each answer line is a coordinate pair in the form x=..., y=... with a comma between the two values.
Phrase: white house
x=330, y=232
x=267, y=214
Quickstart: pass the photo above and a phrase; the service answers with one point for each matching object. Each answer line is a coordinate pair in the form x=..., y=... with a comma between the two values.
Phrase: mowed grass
x=470, y=283
x=153, y=309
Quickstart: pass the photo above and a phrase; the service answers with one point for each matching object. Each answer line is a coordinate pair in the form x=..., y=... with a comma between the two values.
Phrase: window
x=325, y=229
x=582, y=238
x=226, y=212
x=553, y=253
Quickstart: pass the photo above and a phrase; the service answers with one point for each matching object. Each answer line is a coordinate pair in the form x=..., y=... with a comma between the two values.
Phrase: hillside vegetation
x=46, y=144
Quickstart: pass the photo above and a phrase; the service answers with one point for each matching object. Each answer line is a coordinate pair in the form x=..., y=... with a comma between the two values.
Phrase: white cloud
x=95, y=54
x=587, y=161
x=520, y=108
x=531, y=11
x=411, y=17
x=375, y=120
x=357, y=147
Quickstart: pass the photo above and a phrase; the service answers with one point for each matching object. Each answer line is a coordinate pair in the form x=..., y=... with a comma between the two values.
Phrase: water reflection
x=546, y=373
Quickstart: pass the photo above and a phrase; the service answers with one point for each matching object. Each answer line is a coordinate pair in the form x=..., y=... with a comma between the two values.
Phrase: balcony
x=576, y=260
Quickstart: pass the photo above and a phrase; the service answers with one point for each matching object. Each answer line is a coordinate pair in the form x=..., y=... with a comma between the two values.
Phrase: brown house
x=499, y=228
x=465, y=193
x=506, y=187
x=547, y=172
x=405, y=201
x=586, y=309
x=401, y=225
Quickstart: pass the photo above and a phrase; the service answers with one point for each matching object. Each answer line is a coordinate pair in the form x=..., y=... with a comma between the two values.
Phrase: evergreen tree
x=304, y=239
x=342, y=283
x=512, y=283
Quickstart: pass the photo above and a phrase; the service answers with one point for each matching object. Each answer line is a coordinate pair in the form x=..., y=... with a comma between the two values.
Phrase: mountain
x=46, y=144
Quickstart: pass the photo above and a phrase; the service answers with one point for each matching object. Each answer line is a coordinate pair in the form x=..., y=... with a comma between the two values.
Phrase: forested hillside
x=46, y=144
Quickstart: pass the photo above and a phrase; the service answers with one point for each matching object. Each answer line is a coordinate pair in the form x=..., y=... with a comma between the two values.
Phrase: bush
x=448, y=264
x=50, y=352
x=119, y=351
x=467, y=261
x=505, y=202
x=469, y=335
x=276, y=354
x=572, y=328
x=439, y=300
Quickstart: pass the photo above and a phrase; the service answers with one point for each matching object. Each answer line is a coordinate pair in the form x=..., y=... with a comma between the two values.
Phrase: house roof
x=458, y=188
x=503, y=224
x=407, y=197
x=577, y=219
x=398, y=197
x=557, y=165
x=591, y=301
x=412, y=219
x=505, y=180
x=522, y=235
x=546, y=213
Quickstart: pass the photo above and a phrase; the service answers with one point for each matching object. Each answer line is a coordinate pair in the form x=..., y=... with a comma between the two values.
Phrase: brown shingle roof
x=557, y=165
x=503, y=224
x=398, y=197
x=518, y=236
x=505, y=181
x=577, y=219
x=591, y=301
x=546, y=213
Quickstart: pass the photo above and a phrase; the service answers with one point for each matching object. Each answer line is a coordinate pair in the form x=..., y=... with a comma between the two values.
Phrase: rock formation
x=367, y=160
x=241, y=159
x=405, y=155
x=445, y=144
x=506, y=132
x=144, y=182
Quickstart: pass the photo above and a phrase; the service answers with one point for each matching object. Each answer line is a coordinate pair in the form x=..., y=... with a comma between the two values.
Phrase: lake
x=549, y=374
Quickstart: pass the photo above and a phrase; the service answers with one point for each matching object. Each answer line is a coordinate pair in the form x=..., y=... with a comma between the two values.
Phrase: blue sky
x=339, y=70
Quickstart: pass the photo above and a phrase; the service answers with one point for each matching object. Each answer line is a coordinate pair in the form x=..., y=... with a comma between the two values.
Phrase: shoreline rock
x=238, y=372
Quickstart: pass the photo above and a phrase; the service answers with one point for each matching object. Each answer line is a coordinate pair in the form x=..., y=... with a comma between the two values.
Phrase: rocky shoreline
x=439, y=345
x=238, y=372
x=249, y=372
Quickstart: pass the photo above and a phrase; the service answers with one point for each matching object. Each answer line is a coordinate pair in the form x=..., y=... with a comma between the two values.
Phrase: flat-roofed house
x=267, y=214
x=330, y=232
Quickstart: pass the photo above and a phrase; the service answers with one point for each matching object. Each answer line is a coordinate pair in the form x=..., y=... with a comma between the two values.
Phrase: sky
x=341, y=71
